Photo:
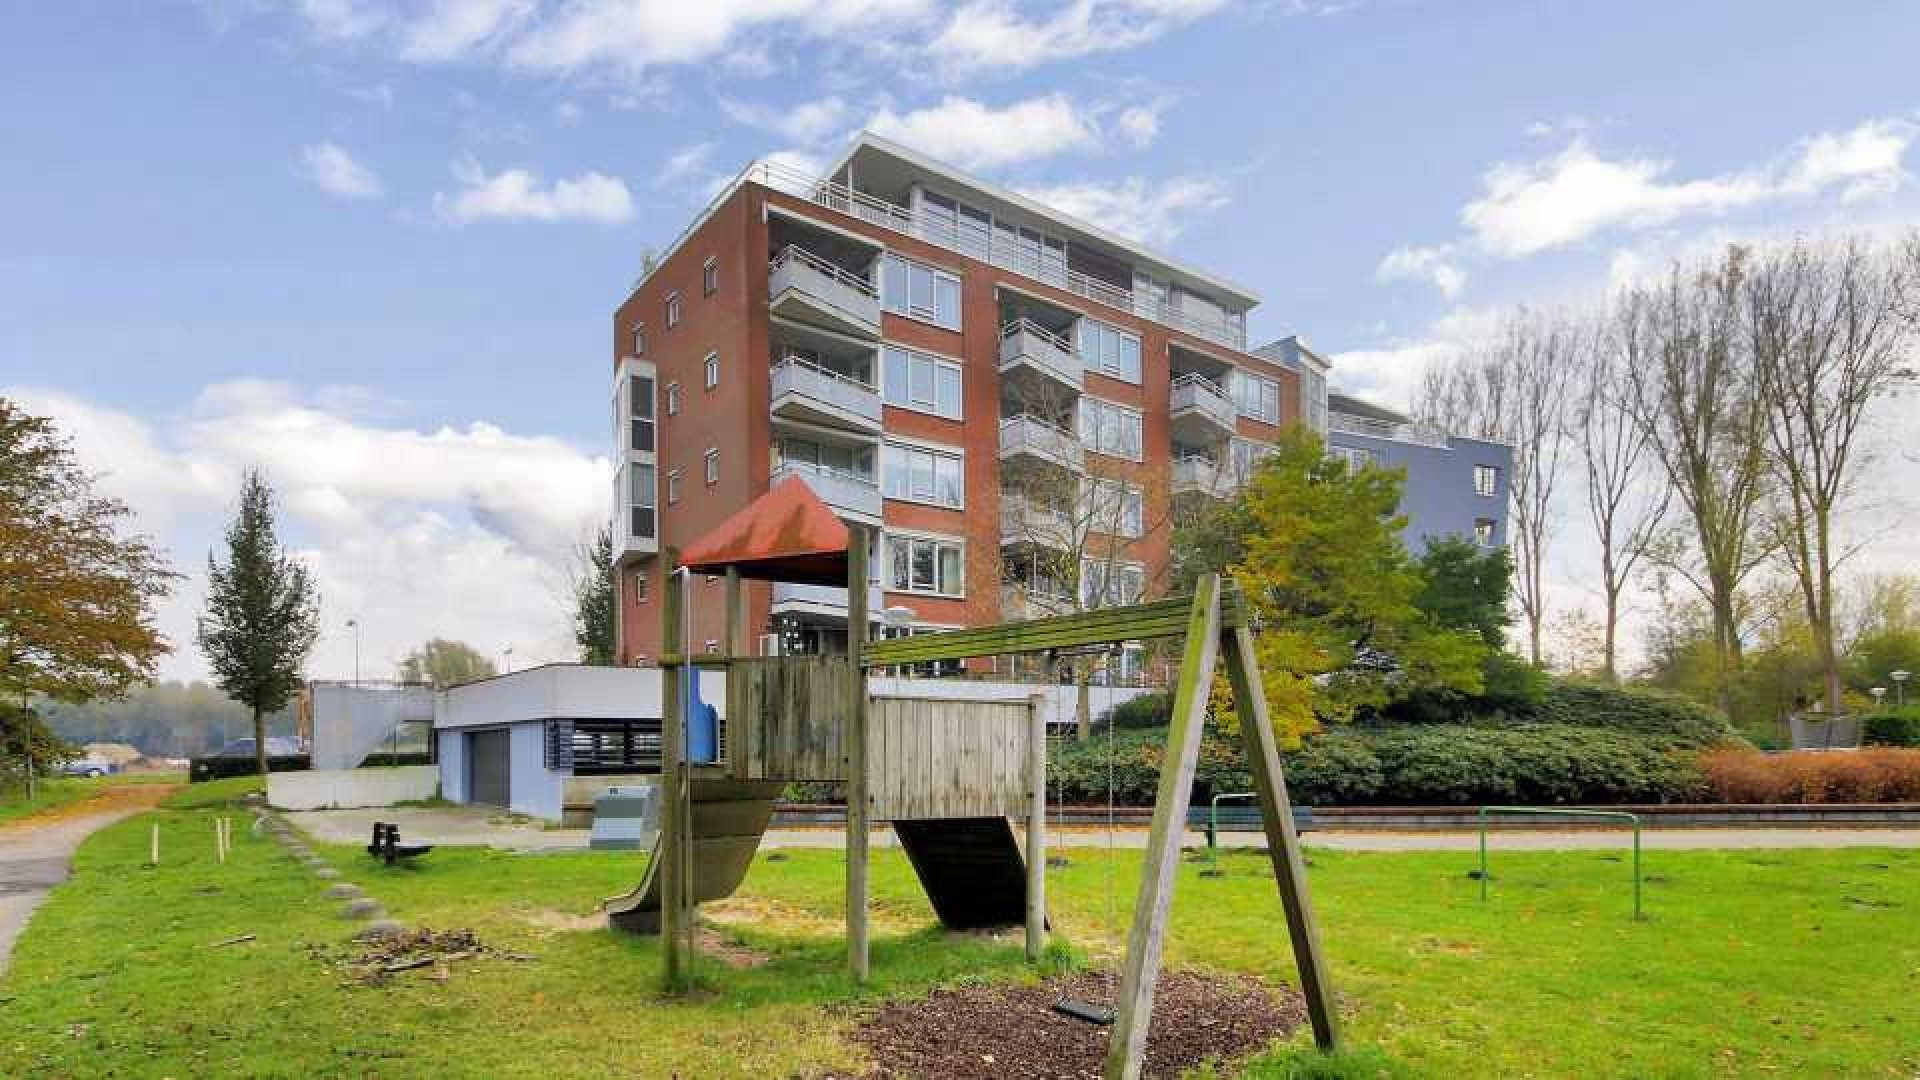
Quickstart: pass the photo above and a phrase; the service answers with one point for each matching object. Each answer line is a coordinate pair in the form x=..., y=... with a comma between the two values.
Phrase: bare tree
x=1626, y=502
x=1828, y=337
x=1695, y=398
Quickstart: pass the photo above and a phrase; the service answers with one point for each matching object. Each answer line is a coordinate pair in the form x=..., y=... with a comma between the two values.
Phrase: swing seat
x=1093, y=1014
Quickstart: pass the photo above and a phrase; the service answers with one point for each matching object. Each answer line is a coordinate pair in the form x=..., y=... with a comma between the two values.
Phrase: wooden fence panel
x=931, y=758
x=787, y=717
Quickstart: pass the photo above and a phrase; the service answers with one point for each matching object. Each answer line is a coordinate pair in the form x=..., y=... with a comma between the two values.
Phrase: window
x=837, y=458
x=640, y=494
x=673, y=399
x=640, y=587
x=1108, y=350
x=923, y=565
x=920, y=474
x=920, y=292
x=1247, y=457
x=640, y=339
x=640, y=408
x=712, y=370
x=1111, y=584
x=710, y=276
x=1483, y=531
x=1313, y=392
x=917, y=381
x=1111, y=429
x=713, y=467
x=1354, y=457
x=1256, y=396
x=673, y=486
x=1115, y=507
x=673, y=309
x=1486, y=480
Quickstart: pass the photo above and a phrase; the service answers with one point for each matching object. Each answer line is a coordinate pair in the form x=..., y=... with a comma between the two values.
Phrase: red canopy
x=788, y=534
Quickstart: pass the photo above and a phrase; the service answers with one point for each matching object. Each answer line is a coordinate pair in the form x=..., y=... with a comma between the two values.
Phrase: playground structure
x=946, y=774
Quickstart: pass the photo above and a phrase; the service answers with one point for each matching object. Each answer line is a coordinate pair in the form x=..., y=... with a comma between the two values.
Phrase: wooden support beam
x=1283, y=842
x=674, y=807
x=1140, y=622
x=1133, y=1012
x=1037, y=828
x=856, y=764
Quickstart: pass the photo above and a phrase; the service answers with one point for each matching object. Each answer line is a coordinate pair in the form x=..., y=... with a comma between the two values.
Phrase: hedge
x=1643, y=712
x=220, y=768
x=1893, y=726
x=1421, y=765
x=1875, y=774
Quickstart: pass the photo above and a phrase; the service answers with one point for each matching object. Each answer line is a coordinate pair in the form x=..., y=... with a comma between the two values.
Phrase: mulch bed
x=1005, y=1031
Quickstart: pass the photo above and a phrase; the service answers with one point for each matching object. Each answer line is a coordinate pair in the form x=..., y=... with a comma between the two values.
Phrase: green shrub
x=1892, y=726
x=1645, y=712
x=1154, y=710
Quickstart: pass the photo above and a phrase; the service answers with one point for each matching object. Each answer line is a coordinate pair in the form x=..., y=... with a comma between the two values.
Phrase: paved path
x=479, y=827
x=37, y=853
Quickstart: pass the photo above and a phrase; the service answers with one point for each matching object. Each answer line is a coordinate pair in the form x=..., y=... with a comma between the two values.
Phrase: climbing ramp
x=971, y=869
x=729, y=817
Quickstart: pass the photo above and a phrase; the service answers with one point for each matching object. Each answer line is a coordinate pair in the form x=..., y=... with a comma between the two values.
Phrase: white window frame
x=1115, y=566
x=1132, y=514
x=1090, y=440
x=640, y=339
x=710, y=276
x=1485, y=531
x=673, y=398
x=710, y=370
x=1097, y=365
x=929, y=314
x=1355, y=458
x=903, y=397
x=1256, y=396
x=936, y=453
x=673, y=486
x=673, y=309
x=1491, y=474
x=713, y=465
x=937, y=542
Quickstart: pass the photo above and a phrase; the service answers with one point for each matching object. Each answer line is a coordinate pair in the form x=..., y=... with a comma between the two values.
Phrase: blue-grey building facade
x=1455, y=486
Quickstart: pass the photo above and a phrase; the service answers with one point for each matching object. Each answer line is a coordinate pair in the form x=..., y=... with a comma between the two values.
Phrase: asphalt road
x=36, y=855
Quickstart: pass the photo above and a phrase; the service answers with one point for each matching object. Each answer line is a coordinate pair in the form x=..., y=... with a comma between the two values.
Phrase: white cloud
x=988, y=36
x=1139, y=125
x=685, y=162
x=633, y=35
x=459, y=531
x=341, y=20
x=1429, y=264
x=1135, y=208
x=330, y=168
x=517, y=195
x=567, y=113
x=804, y=122
x=972, y=135
x=449, y=29
x=1532, y=207
x=1390, y=373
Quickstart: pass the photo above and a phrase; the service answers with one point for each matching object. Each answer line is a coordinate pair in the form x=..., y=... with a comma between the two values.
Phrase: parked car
x=88, y=767
x=277, y=746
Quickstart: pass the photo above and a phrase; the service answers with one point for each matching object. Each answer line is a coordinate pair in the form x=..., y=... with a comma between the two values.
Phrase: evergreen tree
x=262, y=614
x=594, y=599
x=1466, y=587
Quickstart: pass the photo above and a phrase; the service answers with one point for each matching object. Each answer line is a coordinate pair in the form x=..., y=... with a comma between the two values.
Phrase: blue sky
x=377, y=247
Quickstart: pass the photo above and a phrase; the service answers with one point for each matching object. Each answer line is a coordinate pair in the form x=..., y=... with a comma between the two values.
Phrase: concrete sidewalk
x=480, y=827
x=36, y=854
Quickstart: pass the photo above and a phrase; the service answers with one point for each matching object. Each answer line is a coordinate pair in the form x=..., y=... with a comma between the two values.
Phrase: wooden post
x=1037, y=829
x=1283, y=843
x=731, y=644
x=1133, y=1012
x=154, y=849
x=856, y=740
x=674, y=811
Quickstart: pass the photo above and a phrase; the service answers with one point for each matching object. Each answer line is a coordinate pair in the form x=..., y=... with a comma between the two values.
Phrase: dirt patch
x=995, y=1032
x=728, y=951
x=107, y=801
x=548, y=919
x=428, y=954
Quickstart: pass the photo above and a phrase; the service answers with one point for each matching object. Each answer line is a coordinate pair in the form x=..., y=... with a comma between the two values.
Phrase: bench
x=386, y=844
x=1244, y=818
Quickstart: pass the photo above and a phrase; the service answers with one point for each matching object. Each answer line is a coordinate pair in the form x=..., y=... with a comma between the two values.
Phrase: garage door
x=489, y=769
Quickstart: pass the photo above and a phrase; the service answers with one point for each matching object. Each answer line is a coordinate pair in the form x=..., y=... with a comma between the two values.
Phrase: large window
x=1115, y=507
x=1257, y=396
x=1248, y=455
x=1486, y=480
x=925, y=565
x=921, y=474
x=1111, y=584
x=846, y=460
x=1355, y=457
x=640, y=407
x=640, y=494
x=1109, y=350
x=913, y=380
x=919, y=291
x=1111, y=429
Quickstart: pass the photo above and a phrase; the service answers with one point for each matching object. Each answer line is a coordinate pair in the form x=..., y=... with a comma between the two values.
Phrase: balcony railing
x=1026, y=522
x=804, y=390
x=1024, y=434
x=846, y=300
x=1415, y=433
x=1196, y=397
x=1199, y=476
x=824, y=599
x=1018, y=258
x=1019, y=601
x=1025, y=343
x=847, y=494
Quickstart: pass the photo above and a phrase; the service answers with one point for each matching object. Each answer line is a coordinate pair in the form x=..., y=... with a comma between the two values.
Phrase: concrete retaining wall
x=321, y=789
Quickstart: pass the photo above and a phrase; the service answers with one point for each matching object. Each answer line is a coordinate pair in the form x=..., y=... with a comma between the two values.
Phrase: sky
x=375, y=248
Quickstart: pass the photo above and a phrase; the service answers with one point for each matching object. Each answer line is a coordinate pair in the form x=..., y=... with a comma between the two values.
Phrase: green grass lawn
x=1752, y=963
x=55, y=792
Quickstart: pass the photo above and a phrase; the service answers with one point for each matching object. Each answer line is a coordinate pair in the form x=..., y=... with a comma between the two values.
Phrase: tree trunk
x=260, y=743
x=1609, y=674
x=1083, y=703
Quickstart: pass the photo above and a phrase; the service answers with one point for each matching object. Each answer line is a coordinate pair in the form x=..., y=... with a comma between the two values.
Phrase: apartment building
x=1012, y=400
x=1455, y=486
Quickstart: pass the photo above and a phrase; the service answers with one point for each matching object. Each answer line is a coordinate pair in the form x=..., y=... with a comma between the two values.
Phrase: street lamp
x=506, y=665
x=354, y=625
x=1900, y=685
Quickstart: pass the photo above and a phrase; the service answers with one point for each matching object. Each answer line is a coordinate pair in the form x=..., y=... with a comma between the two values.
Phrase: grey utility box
x=625, y=818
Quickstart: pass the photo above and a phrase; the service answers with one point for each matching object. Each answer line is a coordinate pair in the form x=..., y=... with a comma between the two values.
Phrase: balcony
x=1410, y=432
x=1028, y=438
x=1026, y=523
x=1200, y=477
x=1200, y=410
x=807, y=392
x=829, y=600
x=1038, y=361
x=848, y=495
x=1026, y=602
x=807, y=288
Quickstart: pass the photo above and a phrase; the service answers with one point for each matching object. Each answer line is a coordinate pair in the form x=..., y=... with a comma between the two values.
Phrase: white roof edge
x=867, y=139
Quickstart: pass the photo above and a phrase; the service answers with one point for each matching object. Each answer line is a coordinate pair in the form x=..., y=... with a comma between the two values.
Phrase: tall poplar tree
x=262, y=614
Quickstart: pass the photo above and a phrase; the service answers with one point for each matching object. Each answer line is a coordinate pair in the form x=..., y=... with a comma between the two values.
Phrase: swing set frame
x=1214, y=625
